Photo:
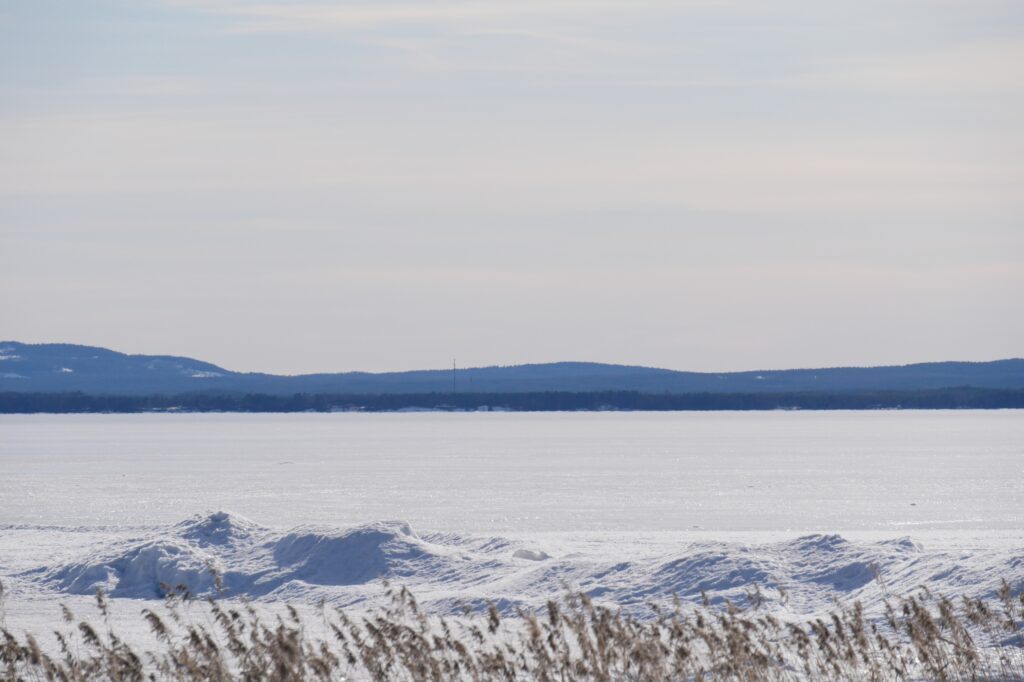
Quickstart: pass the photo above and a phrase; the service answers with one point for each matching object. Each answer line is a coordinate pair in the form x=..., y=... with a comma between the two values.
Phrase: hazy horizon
x=310, y=187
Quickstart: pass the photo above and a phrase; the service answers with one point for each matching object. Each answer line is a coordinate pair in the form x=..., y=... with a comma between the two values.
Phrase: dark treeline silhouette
x=66, y=368
x=945, y=398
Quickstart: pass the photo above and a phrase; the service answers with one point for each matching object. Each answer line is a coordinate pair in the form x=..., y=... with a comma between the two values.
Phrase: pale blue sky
x=293, y=187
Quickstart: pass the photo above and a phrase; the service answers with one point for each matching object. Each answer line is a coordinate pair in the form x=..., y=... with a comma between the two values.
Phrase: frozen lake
x=792, y=472
x=466, y=506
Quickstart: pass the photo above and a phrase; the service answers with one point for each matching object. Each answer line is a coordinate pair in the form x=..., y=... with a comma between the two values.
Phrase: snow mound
x=818, y=544
x=254, y=561
x=714, y=571
x=448, y=570
x=354, y=556
x=530, y=554
x=219, y=528
x=830, y=561
x=146, y=570
x=904, y=543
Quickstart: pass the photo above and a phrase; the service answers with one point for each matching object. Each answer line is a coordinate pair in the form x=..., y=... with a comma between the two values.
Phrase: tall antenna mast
x=453, y=375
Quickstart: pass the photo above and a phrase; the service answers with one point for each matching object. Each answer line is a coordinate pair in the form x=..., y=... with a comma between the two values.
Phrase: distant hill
x=50, y=368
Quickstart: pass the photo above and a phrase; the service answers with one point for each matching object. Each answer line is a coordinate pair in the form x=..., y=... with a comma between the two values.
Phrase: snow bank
x=447, y=570
x=252, y=560
x=354, y=556
x=142, y=571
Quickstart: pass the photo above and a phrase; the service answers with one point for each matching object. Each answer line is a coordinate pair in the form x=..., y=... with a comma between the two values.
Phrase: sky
x=328, y=186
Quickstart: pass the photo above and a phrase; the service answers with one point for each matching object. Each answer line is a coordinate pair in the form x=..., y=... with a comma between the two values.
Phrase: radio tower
x=453, y=375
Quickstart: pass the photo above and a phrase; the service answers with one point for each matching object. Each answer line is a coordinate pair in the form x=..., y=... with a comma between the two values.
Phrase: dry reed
x=919, y=636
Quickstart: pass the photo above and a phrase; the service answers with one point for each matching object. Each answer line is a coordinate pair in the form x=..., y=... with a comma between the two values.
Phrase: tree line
x=547, y=401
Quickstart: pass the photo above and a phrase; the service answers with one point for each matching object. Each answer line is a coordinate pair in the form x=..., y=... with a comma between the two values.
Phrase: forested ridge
x=946, y=398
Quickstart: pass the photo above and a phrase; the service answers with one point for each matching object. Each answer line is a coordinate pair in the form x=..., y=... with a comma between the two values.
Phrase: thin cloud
x=995, y=66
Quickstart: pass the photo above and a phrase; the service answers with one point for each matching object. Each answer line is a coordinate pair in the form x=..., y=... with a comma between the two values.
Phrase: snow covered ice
x=310, y=564
x=512, y=508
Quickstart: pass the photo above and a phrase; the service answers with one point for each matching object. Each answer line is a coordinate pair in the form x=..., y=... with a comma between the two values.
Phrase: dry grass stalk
x=919, y=636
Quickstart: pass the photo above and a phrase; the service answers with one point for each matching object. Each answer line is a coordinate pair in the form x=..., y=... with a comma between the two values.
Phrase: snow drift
x=448, y=571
